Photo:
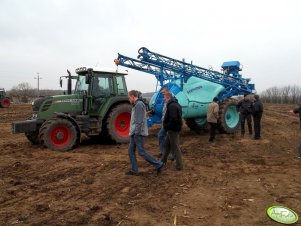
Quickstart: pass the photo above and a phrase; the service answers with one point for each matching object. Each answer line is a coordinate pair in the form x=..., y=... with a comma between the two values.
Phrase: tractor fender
x=114, y=104
x=68, y=117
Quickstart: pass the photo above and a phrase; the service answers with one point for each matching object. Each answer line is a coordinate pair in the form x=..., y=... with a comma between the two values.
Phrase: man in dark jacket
x=172, y=124
x=298, y=111
x=257, y=114
x=245, y=108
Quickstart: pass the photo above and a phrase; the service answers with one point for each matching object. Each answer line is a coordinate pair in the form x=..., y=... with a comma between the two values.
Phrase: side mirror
x=61, y=82
x=88, y=79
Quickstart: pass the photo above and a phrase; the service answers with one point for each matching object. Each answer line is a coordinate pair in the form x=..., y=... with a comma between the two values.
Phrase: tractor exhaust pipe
x=69, y=88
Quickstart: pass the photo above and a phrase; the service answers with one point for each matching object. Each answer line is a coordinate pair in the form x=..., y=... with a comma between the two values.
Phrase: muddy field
x=230, y=183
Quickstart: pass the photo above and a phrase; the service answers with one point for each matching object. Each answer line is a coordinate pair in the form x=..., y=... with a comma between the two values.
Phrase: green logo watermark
x=282, y=214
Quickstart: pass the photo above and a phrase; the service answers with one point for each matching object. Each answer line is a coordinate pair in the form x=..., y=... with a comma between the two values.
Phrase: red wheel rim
x=122, y=124
x=5, y=103
x=60, y=136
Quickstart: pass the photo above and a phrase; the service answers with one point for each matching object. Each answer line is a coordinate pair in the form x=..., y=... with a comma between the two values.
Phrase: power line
x=38, y=78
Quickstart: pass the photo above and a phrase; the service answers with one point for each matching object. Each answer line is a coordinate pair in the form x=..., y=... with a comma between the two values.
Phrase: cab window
x=120, y=85
x=101, y=86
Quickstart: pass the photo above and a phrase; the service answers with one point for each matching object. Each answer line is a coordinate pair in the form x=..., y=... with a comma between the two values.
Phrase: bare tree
x=23, y=92
x=286, y=94
x=295, y=94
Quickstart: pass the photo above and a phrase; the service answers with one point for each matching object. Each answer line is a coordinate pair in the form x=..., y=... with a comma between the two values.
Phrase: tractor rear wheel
x=229, y=117
x=33, y=137
x=197, y=124
x=58, y=134
x=118, y=123
x=5, y=103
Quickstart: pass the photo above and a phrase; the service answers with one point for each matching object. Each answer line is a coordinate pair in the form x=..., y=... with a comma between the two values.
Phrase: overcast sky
x=51, y=36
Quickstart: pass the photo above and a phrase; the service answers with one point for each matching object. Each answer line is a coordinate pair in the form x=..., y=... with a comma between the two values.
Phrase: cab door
x=101, y=91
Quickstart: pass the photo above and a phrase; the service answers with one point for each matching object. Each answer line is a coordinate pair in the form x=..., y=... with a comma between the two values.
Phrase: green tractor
x=4, y=99
x=98, y=107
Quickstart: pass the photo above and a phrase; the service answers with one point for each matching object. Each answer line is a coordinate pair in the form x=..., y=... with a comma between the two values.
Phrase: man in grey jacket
x=138, y=131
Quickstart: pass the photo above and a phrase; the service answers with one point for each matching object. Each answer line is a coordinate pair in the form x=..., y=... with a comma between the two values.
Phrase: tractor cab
x=98, y=85
x=2, y=92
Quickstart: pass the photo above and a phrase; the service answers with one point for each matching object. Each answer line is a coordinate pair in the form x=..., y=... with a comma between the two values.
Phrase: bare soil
x=230, y=183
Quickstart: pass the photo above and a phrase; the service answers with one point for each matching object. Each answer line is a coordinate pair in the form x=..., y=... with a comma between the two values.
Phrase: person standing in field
x=298, y=111
x=162, y=132
x=212, y=118
x=257, y=114
x=172, y=124
x=138, y=132
x=245, y=109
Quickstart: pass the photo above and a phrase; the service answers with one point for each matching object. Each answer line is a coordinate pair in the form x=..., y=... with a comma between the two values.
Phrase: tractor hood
x=71, y=104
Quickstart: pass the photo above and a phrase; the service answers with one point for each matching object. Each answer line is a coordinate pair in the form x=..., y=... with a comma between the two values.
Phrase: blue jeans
x=138, y=141
x=161, y=138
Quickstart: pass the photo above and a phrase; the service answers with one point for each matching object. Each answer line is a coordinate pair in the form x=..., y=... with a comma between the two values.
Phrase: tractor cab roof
x=83, y=70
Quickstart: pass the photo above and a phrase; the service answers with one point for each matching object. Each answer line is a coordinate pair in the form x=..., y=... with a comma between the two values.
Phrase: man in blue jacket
x=138, y=132
x=162, y=132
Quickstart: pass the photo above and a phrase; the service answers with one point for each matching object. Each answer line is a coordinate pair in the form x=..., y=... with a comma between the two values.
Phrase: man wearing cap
x=212, y=117
x=245, y=109
x=257, y=114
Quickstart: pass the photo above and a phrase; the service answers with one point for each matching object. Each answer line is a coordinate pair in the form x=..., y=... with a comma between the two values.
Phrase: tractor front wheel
x=118, y=123
x=5, y=103
x=58, y=134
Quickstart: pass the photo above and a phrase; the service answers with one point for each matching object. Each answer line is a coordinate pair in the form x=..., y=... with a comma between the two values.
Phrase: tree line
x=282, y=95
x=24, y=93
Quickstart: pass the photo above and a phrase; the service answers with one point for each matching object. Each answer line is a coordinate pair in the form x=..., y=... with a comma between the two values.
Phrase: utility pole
x=38, y=78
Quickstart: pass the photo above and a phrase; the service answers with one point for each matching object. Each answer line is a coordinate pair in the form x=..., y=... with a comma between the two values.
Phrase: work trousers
x=257, y=125
x=243, y=118
x=213, y=127
x=172, y=143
